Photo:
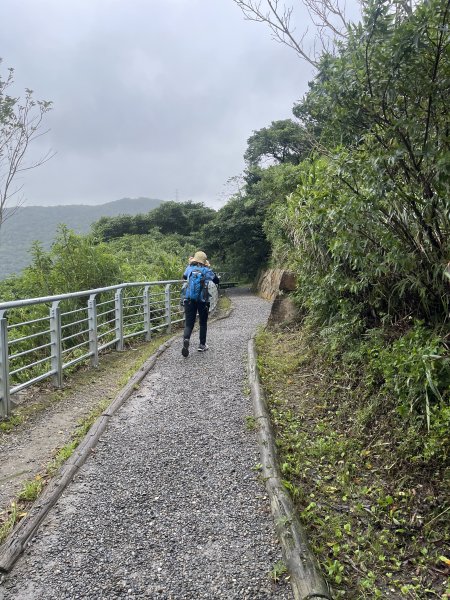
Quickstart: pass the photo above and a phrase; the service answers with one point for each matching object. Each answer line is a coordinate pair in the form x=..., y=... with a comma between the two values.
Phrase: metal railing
x=40, y=337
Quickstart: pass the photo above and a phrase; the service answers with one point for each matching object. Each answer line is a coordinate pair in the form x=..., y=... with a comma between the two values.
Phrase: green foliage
x=73, y=263
x=182, y=218
x=415, y=370
x=282, y=142
x=382, y=109
x=31, y=489
x=236, y=238
x=40, y=223
x=371, y=495
x=77, y=262
x=367, y=227
x=151, y=257
x=279, y=569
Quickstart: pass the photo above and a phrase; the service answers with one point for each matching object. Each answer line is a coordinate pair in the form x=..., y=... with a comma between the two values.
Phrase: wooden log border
x=306, y=579
x=20, y=537
x=17, y=542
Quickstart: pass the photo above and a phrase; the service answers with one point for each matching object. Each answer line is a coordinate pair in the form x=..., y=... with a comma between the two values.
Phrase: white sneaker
x=202, y=347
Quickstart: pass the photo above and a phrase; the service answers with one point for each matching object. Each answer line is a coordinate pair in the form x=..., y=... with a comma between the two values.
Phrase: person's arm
x=211, y=276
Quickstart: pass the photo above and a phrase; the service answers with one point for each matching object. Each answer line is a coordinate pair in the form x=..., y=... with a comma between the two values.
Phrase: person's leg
x=203, y=310
x=190, y=312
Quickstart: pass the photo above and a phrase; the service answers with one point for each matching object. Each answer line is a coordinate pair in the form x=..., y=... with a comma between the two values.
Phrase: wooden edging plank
x=17, y=541
x=19, y=538
x=306, y=579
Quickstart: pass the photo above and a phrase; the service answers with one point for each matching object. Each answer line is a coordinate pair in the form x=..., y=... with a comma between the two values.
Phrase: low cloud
x=150, y=97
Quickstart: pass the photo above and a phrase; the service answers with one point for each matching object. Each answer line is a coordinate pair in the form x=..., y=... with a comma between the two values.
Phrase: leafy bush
x=366, y=227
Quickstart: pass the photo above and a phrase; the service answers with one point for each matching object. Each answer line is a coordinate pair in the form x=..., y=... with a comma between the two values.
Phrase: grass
x=9, y=518
x=7, y=425
x=224, y=302
x=127, y=363
x=279, y=569
x=32, y=489
x=378, y=521
x=75, y=384
x=250, y=423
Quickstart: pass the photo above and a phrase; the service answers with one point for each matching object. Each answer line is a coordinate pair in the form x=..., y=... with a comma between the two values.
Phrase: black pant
x=190, y=313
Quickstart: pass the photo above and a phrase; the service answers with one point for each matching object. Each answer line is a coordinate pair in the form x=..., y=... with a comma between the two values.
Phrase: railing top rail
x=46, y=299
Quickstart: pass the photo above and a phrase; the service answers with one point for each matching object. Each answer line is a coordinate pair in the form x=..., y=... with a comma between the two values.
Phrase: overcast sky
x=151, y=98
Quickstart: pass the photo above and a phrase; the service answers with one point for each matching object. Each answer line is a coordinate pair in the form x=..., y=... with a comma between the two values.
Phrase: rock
x=288, y=281
x=275, y=285
x=273, y=280
x=283, y=311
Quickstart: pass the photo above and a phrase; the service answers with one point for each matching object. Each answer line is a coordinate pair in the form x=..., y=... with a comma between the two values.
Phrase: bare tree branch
x=327, y=16
x=20, y=125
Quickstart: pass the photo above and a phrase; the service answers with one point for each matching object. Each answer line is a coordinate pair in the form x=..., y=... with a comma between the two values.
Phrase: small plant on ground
x=279, y=569
x=371, y=495
x=250, y=423
x=32, y=489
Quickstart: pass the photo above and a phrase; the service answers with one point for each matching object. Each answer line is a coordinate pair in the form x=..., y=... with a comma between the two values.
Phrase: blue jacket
x=208, y=273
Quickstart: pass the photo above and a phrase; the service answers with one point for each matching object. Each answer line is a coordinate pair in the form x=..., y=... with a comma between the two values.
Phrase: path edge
x=306, y=578
x=16, y=543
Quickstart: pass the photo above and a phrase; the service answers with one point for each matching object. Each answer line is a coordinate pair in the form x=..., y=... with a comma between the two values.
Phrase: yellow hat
x=200, y=257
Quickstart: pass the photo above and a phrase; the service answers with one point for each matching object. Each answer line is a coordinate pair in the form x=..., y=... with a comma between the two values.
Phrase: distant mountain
x=31, y=223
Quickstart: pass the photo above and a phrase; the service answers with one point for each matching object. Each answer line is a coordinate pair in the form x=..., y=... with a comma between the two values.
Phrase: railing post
x=56, y=344
x=147, y=321
x=168, y=309
x=119, y=319
x=5, y=404
x=93, y=332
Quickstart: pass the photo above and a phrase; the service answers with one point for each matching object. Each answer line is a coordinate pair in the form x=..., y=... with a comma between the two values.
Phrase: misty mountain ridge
x=26, y=224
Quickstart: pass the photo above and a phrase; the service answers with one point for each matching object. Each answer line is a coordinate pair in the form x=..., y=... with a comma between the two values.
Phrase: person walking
x=197, y=275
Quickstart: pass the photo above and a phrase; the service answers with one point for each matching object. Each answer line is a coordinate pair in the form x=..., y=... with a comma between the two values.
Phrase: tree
x=183, y=218
x=20, y=124
x=109, y=228
x=327, y=16
x=235, y=238
x=375, y=204
x=284, y=141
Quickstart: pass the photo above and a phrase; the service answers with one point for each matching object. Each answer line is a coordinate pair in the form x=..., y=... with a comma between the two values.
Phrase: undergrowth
x=368, y=472
x=75, y=383
x=31, y=489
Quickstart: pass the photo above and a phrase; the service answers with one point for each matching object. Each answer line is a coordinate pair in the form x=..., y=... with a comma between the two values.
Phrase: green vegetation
x=9, y=518
x=279, y=569
x=250, y=423
x=367, y=226
x=78, y=262
x=353, y=195
x=360, y=388
x=375, y=507
x=185, y=219
x=40, y=223
x=110, y=380
x=32, y=489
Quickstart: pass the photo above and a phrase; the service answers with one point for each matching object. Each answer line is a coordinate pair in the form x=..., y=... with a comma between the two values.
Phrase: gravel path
x=168, y=506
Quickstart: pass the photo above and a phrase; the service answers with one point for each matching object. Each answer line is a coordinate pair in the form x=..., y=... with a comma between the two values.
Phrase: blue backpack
x=197, y=287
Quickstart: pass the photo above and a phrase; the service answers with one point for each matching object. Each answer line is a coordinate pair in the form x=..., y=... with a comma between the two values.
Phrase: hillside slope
x=32, y=223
